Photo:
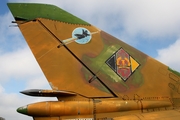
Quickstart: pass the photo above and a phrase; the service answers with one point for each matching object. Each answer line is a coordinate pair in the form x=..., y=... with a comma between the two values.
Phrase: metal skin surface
x=93, y=74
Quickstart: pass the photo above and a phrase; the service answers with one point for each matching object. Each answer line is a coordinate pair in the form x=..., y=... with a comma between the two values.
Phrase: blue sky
x=152, y=26
x=4, y=8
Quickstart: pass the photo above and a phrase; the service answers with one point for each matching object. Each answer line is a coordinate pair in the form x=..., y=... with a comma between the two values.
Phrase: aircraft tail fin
x=91, y=63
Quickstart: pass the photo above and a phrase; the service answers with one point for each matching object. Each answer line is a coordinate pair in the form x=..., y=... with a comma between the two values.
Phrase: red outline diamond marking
x=122, y=64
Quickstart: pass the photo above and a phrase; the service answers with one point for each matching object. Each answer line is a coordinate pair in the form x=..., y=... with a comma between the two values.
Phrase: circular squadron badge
x=82, y=35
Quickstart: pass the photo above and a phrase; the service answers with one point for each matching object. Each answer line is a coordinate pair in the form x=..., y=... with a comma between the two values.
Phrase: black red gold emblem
x=122, y=64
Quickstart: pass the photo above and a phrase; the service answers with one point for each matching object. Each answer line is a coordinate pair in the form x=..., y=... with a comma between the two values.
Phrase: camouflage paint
x=33, y=11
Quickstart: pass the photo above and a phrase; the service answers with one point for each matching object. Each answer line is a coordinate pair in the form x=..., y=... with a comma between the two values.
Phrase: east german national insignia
x=122, y=64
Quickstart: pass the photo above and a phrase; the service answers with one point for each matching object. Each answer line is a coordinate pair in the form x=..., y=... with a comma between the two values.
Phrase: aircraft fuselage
x=89, y=107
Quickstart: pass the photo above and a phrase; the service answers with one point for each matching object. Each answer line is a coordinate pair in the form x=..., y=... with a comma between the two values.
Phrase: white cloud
x=39, y=82
x=154, y=18
x=170, y=55
x=1, y=89
x=18, y=64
